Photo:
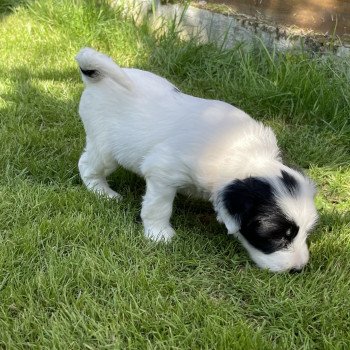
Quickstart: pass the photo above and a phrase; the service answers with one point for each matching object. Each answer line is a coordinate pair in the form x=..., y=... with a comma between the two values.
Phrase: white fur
x=177, y=142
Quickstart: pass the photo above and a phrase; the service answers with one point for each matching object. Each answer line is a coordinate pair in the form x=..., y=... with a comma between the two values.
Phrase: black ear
x=289, y=181
x=242, y=197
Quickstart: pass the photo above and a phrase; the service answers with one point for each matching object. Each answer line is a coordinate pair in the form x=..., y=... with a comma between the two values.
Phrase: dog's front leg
x=156, y=210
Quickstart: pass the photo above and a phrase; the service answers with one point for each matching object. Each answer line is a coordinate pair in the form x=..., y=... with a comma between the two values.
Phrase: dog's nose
x=295, y=270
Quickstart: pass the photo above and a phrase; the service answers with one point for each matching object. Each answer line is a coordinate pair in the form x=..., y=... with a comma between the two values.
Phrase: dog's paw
x=159, y=234
x=108, y=193
x=114, y=195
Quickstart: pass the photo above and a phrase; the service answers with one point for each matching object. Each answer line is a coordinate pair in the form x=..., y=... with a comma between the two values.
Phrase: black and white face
x=272, y=218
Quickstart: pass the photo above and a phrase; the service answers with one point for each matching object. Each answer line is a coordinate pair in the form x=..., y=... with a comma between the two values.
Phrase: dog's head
x=272, y=217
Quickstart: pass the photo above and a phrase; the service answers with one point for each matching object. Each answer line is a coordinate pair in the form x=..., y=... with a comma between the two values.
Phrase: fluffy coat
x=181, y=143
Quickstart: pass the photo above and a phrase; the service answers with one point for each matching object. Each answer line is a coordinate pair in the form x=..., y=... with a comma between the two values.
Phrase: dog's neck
x=256, y=153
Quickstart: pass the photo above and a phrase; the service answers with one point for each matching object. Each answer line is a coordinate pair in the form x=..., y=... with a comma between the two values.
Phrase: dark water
x=323, y=16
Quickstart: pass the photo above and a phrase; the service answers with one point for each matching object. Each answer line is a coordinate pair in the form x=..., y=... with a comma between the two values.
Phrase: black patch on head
x=263, y=224
x=92, y=73
x=289, y=182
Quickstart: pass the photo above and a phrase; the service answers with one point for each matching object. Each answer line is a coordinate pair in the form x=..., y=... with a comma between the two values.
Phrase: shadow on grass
x=42, y=131
x=8, y=6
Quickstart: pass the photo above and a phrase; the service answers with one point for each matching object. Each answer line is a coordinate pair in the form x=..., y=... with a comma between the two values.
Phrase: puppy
x=181, y=143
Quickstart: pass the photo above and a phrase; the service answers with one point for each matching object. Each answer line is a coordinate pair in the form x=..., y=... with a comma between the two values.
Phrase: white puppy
x=181, y=143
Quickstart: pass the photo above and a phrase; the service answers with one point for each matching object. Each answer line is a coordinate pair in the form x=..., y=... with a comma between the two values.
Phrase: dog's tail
x=96, y=66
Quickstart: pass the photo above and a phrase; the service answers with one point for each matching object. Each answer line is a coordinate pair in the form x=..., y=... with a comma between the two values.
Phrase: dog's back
x=143, y=121
x=133, y=113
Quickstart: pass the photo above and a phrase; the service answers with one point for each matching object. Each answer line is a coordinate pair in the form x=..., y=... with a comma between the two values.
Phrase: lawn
x=75, y=269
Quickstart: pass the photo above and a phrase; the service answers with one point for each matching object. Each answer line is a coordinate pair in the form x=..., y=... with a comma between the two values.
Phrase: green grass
x=75, y=270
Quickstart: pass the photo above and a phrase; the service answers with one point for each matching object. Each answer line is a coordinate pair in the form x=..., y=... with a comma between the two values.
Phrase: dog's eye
x=291, y=232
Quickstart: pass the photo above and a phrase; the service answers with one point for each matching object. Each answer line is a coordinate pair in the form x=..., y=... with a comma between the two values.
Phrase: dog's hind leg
x=156, y=210
x=93, y=171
